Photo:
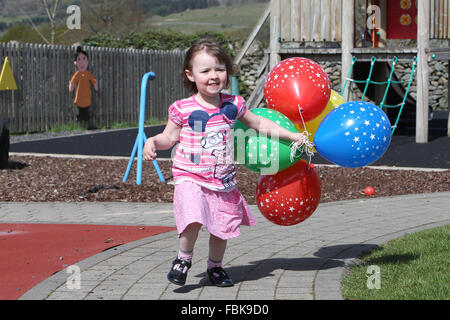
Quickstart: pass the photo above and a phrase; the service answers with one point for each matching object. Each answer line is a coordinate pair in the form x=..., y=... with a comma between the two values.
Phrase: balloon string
x=307, y=146
x=301, y=116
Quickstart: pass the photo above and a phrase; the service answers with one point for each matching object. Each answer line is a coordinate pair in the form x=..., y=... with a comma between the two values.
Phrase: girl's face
x=82, y=62
x=209, y=75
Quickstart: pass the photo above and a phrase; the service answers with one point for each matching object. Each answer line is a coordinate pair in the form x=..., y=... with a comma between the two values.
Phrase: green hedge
x=157, y=40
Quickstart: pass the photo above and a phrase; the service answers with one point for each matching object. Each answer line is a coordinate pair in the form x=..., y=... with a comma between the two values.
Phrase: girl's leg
x=181, y=265
x=217, y=248
x=189, y=237
x=216, y=273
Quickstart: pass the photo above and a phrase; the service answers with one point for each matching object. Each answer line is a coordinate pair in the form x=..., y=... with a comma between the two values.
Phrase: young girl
x=203, y=170
x=83, y=79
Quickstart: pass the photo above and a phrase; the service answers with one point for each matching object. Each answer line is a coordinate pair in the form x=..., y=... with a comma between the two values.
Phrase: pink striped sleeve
x=175, y=114
x=242, y=108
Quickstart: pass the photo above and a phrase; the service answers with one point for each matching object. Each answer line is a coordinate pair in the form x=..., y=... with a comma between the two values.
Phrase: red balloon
x=297, y=83
x=289, y=196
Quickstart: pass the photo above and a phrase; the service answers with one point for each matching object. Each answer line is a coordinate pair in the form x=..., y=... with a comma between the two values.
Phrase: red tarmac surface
x=30, y=253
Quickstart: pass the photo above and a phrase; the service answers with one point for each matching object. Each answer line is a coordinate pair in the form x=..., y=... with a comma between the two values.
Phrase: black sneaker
x=178, y=273
x=219, y=277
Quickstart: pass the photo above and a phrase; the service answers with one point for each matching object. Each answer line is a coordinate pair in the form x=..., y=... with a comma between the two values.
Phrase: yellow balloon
x=311, y=126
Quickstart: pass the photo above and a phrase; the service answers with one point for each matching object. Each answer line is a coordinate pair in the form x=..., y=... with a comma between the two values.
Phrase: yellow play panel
x=7, y=81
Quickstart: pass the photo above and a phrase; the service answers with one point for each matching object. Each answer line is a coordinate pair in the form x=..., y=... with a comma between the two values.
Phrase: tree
x=21, y=32
x=50, y=8
x=115, y=17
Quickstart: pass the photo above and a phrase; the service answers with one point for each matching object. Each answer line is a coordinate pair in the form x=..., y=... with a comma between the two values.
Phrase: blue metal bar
x=158, y=171
x=130, y=162
x=140, y=140
x=155, y=163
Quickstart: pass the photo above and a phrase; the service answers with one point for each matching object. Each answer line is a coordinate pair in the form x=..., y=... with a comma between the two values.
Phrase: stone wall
x=438, y=77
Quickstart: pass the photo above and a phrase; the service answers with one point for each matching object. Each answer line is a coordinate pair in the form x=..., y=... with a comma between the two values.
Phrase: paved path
x=306, y=261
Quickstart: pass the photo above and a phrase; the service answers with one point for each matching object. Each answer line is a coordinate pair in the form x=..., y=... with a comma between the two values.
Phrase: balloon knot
x=297, y=148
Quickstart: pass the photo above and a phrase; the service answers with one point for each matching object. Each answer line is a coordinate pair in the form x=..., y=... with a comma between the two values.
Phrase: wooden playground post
x=423, y=50
x=274, y=33
x=348, y=11
x=382, y=38
x=298, y=22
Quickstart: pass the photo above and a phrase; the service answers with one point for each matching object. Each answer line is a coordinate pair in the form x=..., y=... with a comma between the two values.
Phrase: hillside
x=134, y=15
x=12, y=11
x=240, y=17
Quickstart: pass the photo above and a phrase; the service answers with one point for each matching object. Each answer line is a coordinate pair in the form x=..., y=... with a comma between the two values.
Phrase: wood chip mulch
x=42, y=179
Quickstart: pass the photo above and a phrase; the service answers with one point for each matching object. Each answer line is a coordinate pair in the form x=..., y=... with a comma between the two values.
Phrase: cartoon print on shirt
x=199, y=118
x=224, y=170
x=214, y=142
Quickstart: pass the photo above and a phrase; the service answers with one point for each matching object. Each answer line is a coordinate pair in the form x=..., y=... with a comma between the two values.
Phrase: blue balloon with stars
x=353, y=135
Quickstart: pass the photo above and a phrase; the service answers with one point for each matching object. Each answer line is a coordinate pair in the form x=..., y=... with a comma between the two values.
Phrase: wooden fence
x=439, y=19
x=309, y=20
x=42, y=73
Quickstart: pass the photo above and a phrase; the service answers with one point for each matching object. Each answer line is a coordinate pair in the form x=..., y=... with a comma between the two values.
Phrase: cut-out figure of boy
x=82, y=79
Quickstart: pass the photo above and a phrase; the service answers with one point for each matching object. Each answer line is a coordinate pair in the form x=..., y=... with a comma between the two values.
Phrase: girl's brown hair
x=213, y=49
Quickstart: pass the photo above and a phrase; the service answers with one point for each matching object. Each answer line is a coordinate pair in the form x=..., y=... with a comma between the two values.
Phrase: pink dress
x=203, y=167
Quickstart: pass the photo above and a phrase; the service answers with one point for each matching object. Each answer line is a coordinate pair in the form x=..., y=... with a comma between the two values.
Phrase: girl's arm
x=162, y=141
x=259, y=123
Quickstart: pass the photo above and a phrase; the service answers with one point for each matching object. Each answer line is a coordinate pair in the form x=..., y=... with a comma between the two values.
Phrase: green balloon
x=259, y=152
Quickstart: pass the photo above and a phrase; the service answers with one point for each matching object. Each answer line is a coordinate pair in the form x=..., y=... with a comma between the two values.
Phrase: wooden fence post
x=274, y=33
x=423, y=50
x=448, y=103
x=348, y=10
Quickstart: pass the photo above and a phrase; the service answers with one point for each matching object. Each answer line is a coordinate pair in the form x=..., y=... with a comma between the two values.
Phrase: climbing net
x=388, y=83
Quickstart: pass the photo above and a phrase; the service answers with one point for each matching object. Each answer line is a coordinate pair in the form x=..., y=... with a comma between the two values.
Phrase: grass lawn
x=414, y=267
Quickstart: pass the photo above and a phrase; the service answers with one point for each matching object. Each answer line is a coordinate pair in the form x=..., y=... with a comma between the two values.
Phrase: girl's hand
x=149, y=152
x=299, y=138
